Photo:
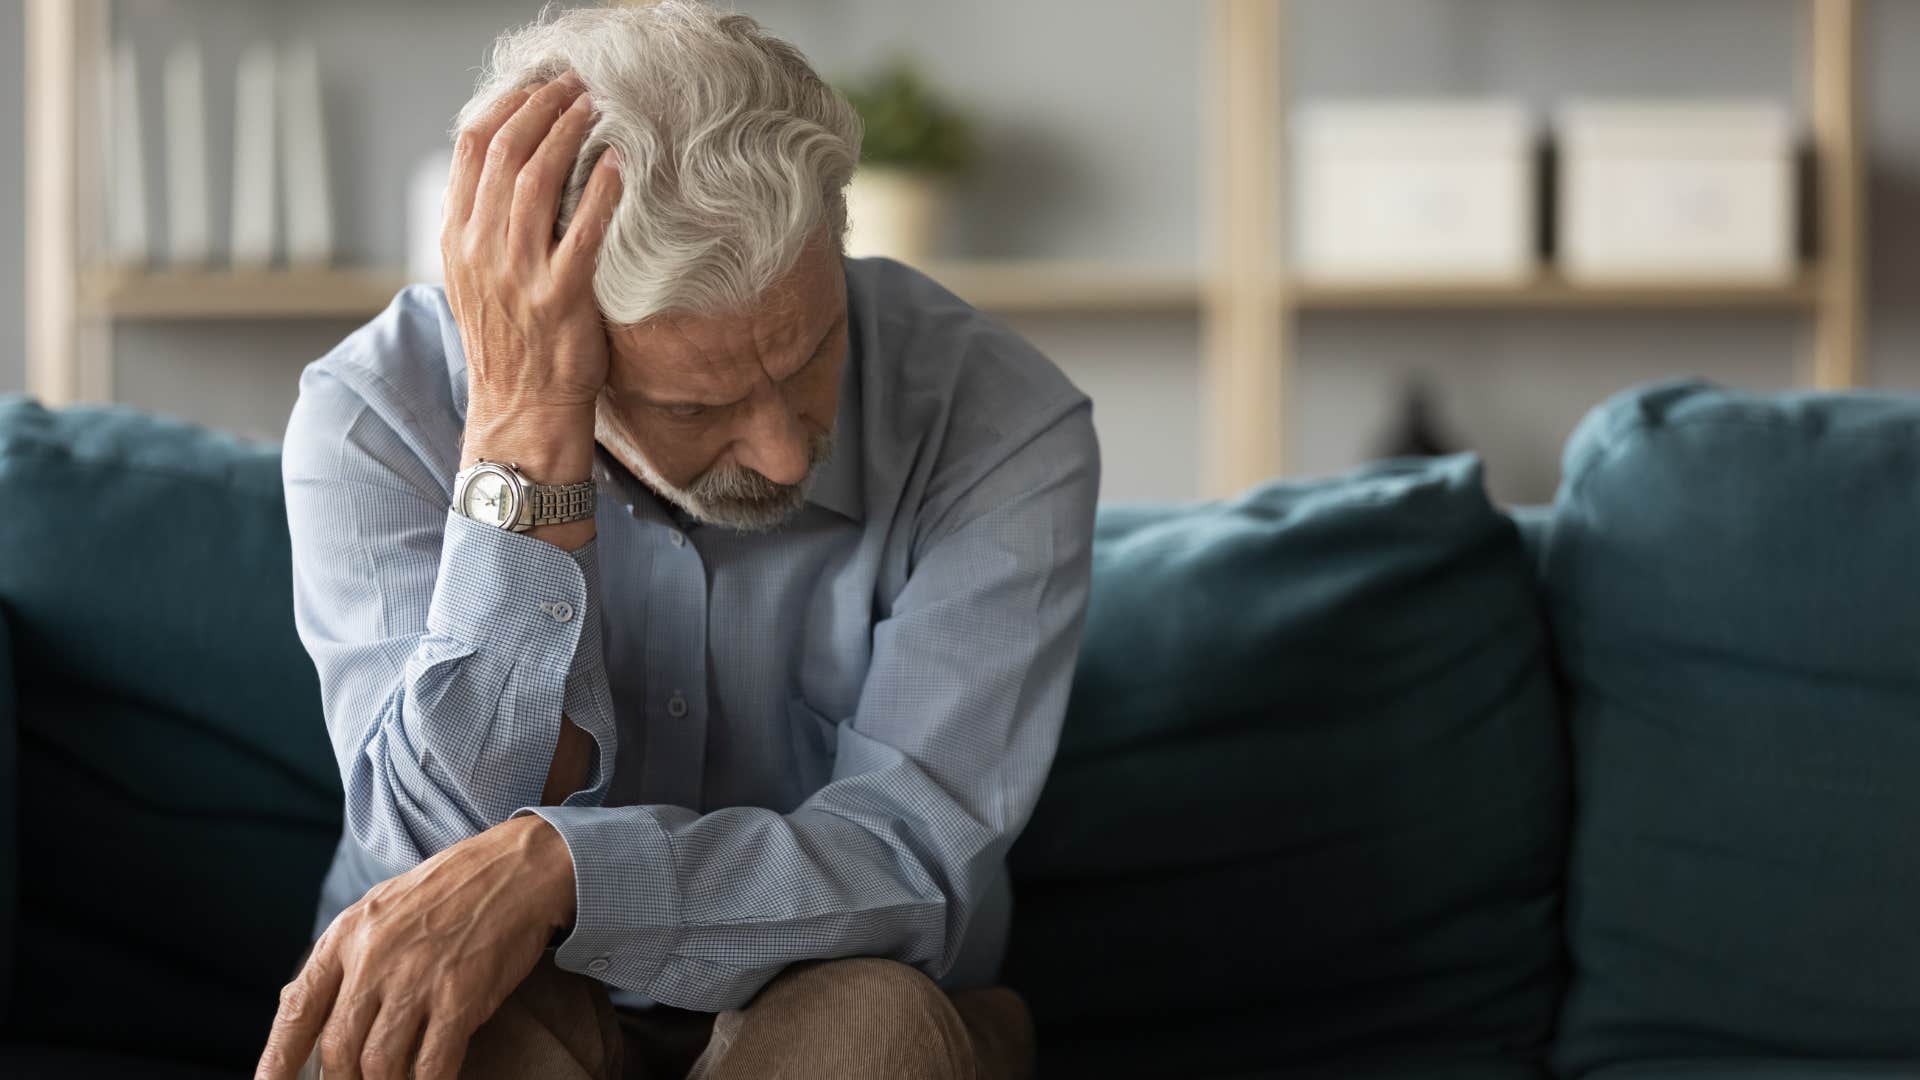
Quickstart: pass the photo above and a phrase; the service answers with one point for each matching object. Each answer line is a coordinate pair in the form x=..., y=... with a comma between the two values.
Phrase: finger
x=579, y=250
x=513, y=144
x=390, y=1042
x=305, y=1004
x=470, y=156
x=345, y=1034
x=537, y=190
x=442, y=1050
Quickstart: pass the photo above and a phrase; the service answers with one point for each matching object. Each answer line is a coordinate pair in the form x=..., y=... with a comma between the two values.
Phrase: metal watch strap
x=557, y=504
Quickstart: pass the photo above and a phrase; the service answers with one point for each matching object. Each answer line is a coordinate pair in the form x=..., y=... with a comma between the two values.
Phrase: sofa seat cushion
x=1309, y=803
x=1734, y=582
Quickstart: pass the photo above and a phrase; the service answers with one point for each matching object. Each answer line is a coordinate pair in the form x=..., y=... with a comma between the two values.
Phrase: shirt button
x=598, y=963
x=676, y=538
x=559, y=610
x=676, y=706
x=629, y=508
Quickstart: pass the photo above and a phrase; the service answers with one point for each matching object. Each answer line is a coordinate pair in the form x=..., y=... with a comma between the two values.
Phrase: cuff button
x=598, y=963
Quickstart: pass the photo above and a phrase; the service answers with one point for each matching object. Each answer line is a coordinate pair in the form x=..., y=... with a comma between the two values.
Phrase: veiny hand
x=425, y=958
x=536, y=348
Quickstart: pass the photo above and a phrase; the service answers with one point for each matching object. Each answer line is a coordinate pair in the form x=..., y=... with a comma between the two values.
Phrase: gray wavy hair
x=733, y=152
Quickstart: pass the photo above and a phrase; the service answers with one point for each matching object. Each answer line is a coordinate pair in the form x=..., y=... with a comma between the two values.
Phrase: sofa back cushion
x=1734, y=584
x=1310, y=802
x=177, y=798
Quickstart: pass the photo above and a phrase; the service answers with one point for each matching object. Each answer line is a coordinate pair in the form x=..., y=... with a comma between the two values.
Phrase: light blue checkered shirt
x=817, y=742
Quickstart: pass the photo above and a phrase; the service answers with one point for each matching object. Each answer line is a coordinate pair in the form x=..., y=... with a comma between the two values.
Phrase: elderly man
x=739, y=660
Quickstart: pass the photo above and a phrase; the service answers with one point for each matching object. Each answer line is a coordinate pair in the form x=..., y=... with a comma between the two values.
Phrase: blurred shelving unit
x=67, y=352
x=80, y=300
x=1046, y=286
x=1008, y=286
x=237, y=294
x=1242, y=292
x=1548, y=292
x=1251, y=300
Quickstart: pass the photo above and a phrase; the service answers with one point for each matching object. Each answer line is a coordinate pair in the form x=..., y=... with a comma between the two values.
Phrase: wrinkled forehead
x=719, y=358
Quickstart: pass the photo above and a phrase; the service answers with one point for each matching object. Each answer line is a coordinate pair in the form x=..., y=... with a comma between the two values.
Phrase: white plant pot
x=895, y=213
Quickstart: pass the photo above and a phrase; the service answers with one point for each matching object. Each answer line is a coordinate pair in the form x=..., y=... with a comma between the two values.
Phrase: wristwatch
x=497, y=494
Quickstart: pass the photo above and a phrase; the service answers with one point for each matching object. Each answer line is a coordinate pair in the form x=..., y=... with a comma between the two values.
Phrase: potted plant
x=915, y=142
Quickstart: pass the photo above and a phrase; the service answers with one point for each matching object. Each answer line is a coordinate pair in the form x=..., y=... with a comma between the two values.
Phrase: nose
x=774, y=442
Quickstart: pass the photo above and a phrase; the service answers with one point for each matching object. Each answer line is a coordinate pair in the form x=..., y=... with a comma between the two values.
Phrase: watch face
x=488, y=499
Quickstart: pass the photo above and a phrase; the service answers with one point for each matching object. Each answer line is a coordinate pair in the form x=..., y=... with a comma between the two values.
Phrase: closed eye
x=817, y=353
x=826, y=341
x=684, y=412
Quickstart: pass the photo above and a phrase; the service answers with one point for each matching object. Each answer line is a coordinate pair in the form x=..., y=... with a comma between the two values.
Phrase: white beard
x=757, y=514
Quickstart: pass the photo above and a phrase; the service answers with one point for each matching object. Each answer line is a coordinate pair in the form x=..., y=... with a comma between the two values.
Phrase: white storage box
x=1386, y=191
x=1677, y=192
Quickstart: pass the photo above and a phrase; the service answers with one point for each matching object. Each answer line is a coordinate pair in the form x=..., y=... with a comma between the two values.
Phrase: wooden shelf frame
x=1253, y=302
x=1015, y=286
x=1049, y=286
x=1549, y=292
x=1242, y=291
x=1832, y=78
x=238, y=294
x=68, y=355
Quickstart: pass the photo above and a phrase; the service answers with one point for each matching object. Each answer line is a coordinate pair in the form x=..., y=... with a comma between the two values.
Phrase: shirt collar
x=840, y=485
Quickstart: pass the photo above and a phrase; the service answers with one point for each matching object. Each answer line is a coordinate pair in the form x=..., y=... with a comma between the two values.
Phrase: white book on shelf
x=184, y=93
x=254, y=143
x=303, y=166
x=125, y=154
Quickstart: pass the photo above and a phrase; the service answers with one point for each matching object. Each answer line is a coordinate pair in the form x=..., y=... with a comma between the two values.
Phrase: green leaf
x=908, y=126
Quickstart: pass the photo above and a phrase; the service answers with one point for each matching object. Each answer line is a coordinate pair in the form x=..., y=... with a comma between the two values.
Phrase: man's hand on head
x=535, y=343
x=403, y=978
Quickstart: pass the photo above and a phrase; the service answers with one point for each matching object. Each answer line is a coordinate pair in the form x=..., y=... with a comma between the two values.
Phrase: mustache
x=737, y=484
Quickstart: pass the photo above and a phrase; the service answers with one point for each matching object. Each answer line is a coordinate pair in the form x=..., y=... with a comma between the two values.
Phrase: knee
x=884, y=986
x=555, y=1023
x=896, y=1009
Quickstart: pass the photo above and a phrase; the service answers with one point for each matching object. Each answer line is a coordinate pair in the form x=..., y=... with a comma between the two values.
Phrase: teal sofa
x=1363, y=777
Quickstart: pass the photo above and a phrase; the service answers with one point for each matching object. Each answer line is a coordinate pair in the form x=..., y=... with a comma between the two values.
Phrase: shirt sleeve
x=935, y=774
x=447, y=651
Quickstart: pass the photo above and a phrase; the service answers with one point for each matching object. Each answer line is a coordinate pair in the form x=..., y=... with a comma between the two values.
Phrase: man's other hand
x=421, y=961
x=535, y=343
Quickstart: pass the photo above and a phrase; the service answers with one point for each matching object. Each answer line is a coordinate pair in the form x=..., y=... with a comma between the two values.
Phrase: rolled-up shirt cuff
x=529, y=609
x=627, y=906
x=504, y=588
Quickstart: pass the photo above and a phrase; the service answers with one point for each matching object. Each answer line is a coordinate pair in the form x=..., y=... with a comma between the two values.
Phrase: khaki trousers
x=855, y=1019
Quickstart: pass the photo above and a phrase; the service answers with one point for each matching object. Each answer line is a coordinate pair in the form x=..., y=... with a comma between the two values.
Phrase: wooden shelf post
x=66, y=352
x=52, y=272
x=1244, y=372
x=1833, y=85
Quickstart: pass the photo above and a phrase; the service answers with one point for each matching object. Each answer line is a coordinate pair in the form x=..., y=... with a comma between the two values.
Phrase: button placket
x=675, y=761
